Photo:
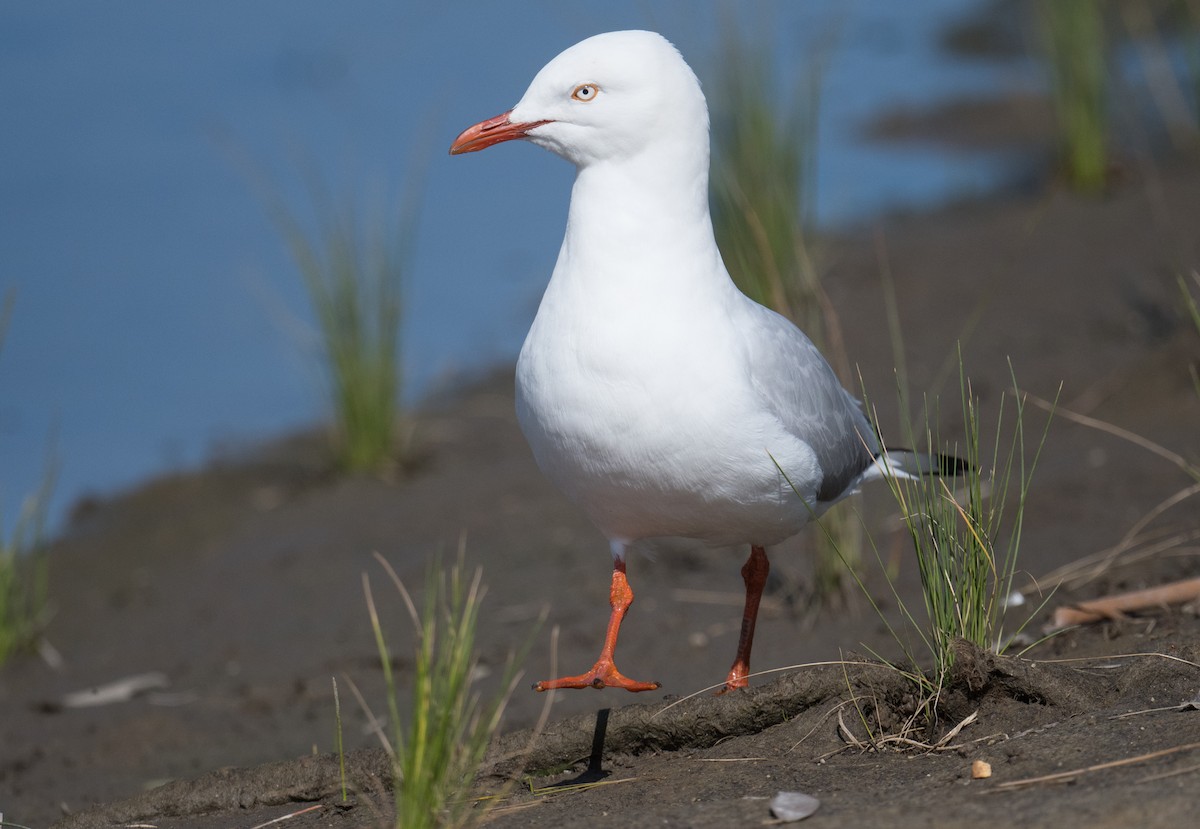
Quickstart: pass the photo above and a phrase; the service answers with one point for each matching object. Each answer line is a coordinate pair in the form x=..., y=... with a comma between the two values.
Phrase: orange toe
x=604, y=674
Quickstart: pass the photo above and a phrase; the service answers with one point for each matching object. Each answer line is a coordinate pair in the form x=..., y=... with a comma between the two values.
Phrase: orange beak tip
x=490, y=132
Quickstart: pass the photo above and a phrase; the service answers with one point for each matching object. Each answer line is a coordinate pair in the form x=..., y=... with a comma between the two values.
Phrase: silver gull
x=661, y=399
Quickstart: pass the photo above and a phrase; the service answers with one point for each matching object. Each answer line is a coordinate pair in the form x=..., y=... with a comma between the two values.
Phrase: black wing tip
x=950, y=466
x=934, y=463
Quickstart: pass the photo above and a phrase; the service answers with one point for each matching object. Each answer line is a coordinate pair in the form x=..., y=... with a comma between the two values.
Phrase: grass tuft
x=967, y=540
x=24, y=577
x=353, y=272
x=24, y=569
x=1075, y=49
x=438, y=748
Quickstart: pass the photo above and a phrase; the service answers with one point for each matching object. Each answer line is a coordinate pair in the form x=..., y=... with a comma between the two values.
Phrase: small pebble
x=981, y=769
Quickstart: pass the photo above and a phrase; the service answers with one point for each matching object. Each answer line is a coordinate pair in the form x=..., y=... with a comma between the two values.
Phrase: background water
x=157, y=314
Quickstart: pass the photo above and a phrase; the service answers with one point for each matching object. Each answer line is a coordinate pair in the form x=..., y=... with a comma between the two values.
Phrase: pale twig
x=1116, y=656
x=1063, y=776
x=1183, y=706
x=848, y=735
x=282, y=818
x=1113, y=607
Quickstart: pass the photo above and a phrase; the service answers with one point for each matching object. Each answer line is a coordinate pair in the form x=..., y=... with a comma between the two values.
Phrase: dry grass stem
x=901, y=740
x=282, y=818
x=374, y=724
x=575, y=788
x=768, y=672
x=1146, y=654
x=1116, y=431
x=1066, y=776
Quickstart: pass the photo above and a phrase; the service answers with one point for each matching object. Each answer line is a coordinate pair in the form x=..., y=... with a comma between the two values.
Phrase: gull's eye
x=585, y=92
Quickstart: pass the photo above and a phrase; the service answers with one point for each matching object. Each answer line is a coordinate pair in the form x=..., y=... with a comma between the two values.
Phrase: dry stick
x=1111, y=607
x=1068, y=775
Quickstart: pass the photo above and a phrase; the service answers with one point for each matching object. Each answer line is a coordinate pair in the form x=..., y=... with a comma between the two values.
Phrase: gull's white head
x=608, y=98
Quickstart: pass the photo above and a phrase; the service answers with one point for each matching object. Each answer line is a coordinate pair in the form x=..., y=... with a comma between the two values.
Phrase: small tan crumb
x=981, y=769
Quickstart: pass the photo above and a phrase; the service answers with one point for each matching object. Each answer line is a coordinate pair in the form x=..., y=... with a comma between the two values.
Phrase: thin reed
x=437, y=749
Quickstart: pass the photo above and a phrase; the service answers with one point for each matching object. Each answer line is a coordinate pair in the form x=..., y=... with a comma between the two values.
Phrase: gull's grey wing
x=799, y=387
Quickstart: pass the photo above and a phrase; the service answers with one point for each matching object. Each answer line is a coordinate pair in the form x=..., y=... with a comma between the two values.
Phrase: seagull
x=658, y=397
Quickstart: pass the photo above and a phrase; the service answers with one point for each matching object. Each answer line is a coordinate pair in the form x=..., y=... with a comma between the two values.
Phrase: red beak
x=489, y=132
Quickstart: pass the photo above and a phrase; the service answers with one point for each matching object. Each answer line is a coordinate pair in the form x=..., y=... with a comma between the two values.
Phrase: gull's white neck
x=643, y=217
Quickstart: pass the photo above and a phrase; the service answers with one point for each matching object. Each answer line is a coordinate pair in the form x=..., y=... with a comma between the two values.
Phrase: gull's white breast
x=643, y=411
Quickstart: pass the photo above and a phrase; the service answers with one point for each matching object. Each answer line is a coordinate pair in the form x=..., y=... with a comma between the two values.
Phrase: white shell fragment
x=793, y=806
x=122, y=690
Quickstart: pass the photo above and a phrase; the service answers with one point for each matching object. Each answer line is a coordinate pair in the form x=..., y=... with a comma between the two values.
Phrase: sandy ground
x=240, y=587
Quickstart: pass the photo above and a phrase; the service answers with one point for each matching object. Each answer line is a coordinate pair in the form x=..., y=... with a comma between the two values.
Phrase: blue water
x=158, y=317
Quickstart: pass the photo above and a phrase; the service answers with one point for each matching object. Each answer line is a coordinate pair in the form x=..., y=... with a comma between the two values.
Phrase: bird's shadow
x=594, y=771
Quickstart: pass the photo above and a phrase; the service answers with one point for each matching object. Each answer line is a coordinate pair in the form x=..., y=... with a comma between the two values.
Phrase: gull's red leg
x=754, y=573
x=604, y=673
